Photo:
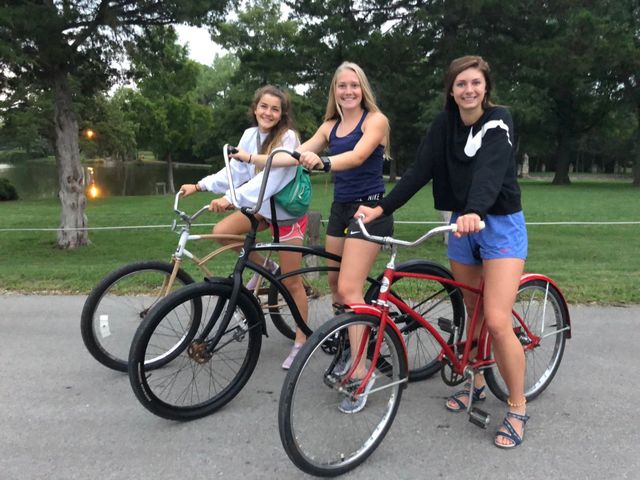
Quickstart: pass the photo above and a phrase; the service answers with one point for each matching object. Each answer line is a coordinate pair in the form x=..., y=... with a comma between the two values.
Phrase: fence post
x=313, y=236
x=446, y=218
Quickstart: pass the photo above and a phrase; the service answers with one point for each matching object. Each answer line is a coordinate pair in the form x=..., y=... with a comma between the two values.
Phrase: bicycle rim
x=317, y=436
x=197, y=378
x=541, y=309
x=118, y=310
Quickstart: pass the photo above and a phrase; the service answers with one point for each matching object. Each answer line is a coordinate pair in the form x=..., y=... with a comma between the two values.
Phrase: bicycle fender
x=243, y=291
x=442, y=270
x=539, y=276
x=373, y=311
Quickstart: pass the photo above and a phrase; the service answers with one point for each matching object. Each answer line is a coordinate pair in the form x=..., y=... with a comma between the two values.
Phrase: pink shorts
x=295, y=231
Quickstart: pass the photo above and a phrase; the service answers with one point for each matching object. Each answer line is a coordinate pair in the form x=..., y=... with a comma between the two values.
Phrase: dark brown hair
x=458, y=66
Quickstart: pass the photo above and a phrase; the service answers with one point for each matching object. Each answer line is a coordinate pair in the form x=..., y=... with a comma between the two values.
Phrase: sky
x=201, y=48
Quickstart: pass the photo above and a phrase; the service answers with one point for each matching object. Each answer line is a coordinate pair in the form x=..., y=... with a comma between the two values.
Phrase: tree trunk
x=393, y=166
x=563, y=159
x=636, y=171
x=172, y=188
x=73, y=221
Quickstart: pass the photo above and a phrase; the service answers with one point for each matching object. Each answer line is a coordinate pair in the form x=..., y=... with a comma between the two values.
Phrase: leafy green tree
x=113, y=131
x=27, y=125
x=68, y=49
x=170, y=118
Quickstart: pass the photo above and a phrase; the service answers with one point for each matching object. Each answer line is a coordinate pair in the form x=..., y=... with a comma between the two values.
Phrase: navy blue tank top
x=357, y=183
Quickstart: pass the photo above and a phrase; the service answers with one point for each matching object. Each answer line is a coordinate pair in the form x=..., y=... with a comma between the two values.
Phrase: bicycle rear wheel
x=317, y=436
x=119, y=303
x=200, y=377
x=316, y=286
x=437, y=302
x=542, y=309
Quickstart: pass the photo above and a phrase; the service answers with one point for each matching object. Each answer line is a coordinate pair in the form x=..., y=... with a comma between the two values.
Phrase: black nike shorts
x=342, y=224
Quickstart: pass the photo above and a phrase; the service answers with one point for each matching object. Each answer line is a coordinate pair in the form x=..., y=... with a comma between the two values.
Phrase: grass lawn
x=591, y=263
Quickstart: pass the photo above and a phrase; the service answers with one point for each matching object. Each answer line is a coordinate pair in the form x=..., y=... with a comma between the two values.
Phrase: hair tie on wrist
x=250, y=155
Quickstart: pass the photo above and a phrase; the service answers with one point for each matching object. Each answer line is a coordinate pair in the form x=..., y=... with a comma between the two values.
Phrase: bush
x=7, y=191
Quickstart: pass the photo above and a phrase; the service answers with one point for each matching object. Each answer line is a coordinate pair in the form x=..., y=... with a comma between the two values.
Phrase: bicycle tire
x=195, y=382
x=316, y=285
x=543, y=309
x=434, y=301
x=117, y=305
x=319, y=438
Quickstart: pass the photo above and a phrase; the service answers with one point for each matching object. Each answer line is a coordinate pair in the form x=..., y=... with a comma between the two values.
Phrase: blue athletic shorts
x=504, y=236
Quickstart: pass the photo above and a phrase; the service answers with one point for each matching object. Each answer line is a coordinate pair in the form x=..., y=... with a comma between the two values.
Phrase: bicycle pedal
x=445, y=324
x=479, y=417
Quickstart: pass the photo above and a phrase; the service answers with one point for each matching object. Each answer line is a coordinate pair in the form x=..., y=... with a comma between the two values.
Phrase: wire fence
x=406, y=222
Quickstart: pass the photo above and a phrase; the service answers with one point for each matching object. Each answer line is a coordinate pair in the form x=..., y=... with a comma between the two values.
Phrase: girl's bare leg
x=501, y=280
x=238, y=224
x=358, y=257
x=290, y=261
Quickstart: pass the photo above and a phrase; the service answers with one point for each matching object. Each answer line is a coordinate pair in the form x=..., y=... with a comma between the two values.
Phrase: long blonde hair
x=334, y=111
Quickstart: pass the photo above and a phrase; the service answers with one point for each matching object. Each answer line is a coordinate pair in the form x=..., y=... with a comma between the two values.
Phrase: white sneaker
x=253, y=281
x=354, y=406
x=286, y=365
x=342, y=363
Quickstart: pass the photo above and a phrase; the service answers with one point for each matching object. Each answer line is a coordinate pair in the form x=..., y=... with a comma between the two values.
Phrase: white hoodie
x=245, y=180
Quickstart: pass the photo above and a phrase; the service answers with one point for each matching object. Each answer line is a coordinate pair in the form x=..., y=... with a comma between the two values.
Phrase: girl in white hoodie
x=273, y=128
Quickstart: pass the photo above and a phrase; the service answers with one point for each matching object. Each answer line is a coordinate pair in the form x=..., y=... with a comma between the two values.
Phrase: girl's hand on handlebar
x=220, y=205
x=368, y=213
x=241, y=155
x=466, y=224
x=187, y=189
x=310, y=161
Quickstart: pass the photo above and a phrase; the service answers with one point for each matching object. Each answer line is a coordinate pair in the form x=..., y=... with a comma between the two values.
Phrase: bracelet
x=250, y=155
x=515, y=405
x=198, y=189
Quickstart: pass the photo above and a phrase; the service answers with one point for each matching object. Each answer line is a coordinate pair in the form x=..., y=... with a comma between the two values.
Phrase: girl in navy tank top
x=356, y=134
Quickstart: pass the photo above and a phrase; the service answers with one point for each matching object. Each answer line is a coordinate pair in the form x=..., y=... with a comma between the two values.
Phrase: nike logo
x=354, y=232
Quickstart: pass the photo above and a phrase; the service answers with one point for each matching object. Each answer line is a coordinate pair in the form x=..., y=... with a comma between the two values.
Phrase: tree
x=67, y=49
x=113, y=130
x=169, y=116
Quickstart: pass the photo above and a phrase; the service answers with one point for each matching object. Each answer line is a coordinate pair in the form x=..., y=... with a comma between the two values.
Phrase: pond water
x=38, y=180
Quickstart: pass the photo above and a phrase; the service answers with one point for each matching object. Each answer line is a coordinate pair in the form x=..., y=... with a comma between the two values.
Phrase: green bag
x=295, y=198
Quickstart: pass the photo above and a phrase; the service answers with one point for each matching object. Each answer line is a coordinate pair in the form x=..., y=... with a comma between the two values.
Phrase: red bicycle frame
x=380, y=309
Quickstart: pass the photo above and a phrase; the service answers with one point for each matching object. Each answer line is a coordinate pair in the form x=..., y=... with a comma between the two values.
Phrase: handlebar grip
x=454, y=227
x=231, y=149
x=296, y=155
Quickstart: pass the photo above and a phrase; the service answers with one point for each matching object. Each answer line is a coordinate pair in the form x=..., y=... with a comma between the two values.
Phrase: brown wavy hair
x=285, y=123
x=459, y=65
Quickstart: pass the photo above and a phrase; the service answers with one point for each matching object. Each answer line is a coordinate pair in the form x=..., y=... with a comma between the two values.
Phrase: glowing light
x=89, y=133
x=94, y=191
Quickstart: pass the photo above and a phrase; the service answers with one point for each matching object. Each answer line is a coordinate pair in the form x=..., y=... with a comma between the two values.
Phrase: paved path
x=64, y=416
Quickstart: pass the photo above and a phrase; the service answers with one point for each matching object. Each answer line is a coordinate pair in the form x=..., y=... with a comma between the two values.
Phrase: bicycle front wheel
x=541, y=308
x=437, y=302
x=318, y=437
x=203, y=373
x=116, y=307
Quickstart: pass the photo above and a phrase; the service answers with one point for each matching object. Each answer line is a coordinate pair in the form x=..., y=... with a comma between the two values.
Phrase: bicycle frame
x=461, y=364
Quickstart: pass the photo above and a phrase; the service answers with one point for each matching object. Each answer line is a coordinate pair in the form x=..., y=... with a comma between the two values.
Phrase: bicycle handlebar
x=265, y=176
x=393, y=241
x=183, y=215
